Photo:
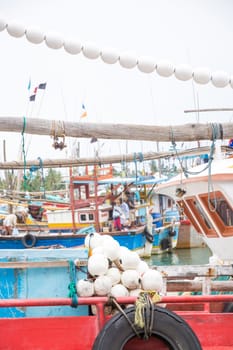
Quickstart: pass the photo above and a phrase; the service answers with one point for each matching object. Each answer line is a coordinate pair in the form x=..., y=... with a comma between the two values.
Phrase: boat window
x=220, y=210
x=83, y=217
x=198, y=213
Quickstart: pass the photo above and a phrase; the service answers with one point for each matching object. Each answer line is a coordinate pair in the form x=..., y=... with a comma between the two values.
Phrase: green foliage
x=52, y=181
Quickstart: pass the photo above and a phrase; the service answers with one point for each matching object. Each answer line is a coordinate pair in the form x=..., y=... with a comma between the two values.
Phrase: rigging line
x=37, y=114
x=21, y=152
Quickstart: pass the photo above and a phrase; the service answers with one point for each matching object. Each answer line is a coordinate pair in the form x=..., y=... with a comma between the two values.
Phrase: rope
x=42, y=174
x=144, y=312
x=24, y=155
x=112, y=300
x=215, y=132
x=72, y=286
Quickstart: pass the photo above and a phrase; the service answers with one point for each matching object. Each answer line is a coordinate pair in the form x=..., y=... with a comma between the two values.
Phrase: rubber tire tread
x=167, y=325
x=30, y=237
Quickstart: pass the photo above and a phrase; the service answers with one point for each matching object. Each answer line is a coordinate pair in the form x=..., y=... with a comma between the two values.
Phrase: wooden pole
x=72, y=204
x=64, y=163
x=57, y=128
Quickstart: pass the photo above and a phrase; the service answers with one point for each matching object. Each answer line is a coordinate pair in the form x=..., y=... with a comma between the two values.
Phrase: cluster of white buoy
x=116, y=271
x=145, y=64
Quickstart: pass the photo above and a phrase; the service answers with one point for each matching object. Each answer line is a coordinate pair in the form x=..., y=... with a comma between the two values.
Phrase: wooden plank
x=197, y=286
x=37, y=264
x=192, y=271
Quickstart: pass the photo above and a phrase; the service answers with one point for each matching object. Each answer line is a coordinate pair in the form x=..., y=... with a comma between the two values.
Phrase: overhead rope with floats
x=145, y=64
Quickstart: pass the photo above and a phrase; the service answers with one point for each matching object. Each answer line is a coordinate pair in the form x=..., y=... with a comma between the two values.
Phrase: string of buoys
x=145, y=64
x=115, y=271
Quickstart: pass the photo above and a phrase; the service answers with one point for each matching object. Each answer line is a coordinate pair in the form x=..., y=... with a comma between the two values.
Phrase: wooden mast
x=113, y=159
x=56, y=128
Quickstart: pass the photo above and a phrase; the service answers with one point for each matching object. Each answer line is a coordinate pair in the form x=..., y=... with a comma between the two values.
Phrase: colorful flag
x=32, y=97
x=84, y=112
x=29, y=84
x=42, y=86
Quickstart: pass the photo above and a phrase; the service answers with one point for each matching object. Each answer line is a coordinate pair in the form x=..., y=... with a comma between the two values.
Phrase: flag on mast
x=84, y=112
x=32, y=97
x=42, y=86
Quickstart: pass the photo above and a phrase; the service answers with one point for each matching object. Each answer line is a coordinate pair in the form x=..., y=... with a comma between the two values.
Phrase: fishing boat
x=90, y=210
x=205, y=197
x=36, y=311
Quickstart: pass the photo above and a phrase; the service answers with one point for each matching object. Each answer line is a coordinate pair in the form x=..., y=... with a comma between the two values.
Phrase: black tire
x=29, y=240
x=148, y=235
x=169, y=332
x=164, y=243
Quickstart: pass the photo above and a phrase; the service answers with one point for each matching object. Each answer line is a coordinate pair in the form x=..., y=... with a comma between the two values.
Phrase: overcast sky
x=197, y=32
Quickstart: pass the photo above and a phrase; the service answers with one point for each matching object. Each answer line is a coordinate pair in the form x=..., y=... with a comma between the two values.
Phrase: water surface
x=194, y=256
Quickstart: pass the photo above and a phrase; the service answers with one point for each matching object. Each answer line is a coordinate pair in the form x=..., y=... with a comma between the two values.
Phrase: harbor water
x=192, y=256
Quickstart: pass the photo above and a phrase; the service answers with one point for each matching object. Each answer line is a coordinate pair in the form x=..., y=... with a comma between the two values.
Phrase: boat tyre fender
x=164, y=243
x=148, y=235
x=168, y=331
x=29, y=240
x=172, y=232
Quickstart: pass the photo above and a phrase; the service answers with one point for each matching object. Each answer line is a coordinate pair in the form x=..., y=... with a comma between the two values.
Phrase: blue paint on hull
x=164, y=234
x=39, y=282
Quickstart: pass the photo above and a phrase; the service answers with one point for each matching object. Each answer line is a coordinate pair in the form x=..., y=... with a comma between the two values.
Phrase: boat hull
x=133, y=239
x=188, y=237
x=165, y=238
x=31, y=273
x=59, y=333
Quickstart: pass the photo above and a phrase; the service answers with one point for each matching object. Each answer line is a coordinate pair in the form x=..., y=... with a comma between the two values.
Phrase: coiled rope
x=72, y=285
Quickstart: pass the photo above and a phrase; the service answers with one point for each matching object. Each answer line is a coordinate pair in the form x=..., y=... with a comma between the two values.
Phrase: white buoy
x=97, y=250
x=129, y=260
x=15, y=29
x=102, y=285
x=220, y=79
x=111, y=249
x=183, y=72
x=142, y=268
x=90, y=50
x=130, y=279
x=34, y=35
x=152, y=280
x=114, y=274
x=165, y=68
x=201, y=75
x=54, y=41
x=109, y=56
x=128, y=60
x=135, y=292
x=93, y=240
x=119, y=291
x=97, y=265
x=72, y=46
x=3, y=24
x=146, y=64
x=85, y=288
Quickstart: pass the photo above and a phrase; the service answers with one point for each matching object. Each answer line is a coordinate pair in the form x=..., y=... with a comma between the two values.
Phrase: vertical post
x=72, y=206
x=96, y=199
